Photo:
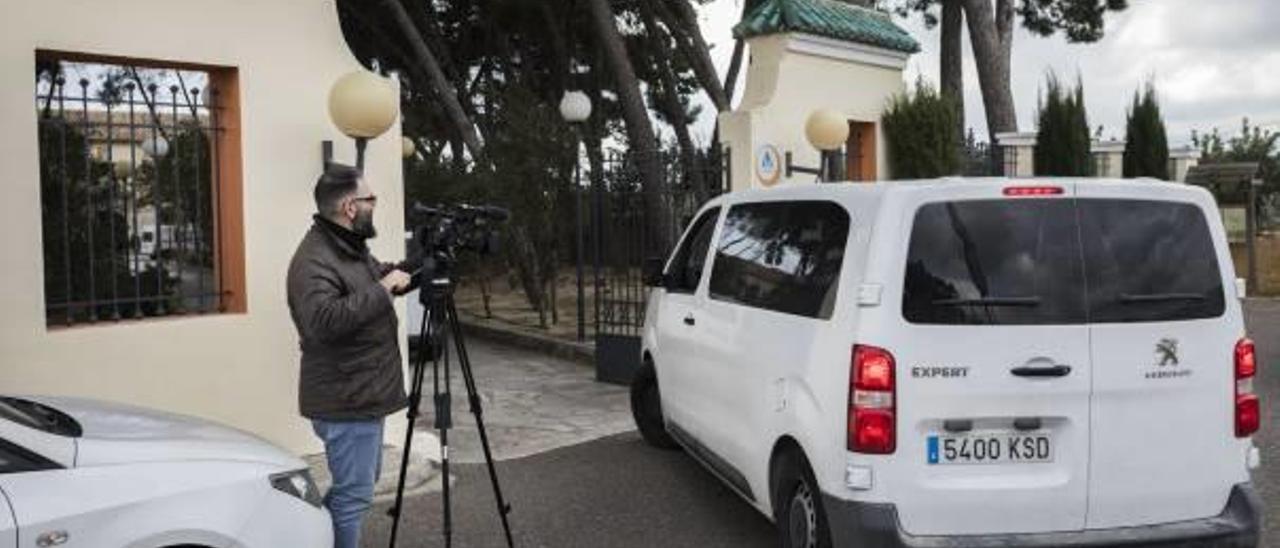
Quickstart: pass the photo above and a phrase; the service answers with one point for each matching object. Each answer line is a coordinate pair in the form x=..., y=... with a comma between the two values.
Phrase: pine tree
x=1146, y=148
x=1063, y=142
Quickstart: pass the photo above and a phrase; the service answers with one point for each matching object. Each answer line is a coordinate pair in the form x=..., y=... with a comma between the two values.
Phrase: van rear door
x=992, y=362
x=1163, y=337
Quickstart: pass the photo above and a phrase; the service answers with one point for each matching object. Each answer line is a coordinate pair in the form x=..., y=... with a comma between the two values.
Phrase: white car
x=93, y=474
x=1057, y=362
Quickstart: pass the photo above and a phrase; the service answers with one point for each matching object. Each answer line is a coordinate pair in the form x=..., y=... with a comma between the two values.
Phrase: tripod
x=439, y=323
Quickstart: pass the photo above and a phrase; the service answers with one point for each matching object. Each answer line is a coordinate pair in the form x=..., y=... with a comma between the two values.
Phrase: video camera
x=446, y=230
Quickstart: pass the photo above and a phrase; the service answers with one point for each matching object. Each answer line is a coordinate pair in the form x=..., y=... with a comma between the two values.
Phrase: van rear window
x=1149, y=261
x=997, y=262
x=1019, y=262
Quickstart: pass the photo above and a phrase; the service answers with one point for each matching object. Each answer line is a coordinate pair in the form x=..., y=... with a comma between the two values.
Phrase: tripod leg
x=444, y=421
x=415, y=398
x=473, y=399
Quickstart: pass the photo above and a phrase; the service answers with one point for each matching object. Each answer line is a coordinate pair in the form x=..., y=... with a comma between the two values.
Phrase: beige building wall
x=1181, y=160
x=790, y=76
x=237, y=368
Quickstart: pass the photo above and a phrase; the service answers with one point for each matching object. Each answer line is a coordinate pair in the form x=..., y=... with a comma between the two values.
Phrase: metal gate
x=629, y=223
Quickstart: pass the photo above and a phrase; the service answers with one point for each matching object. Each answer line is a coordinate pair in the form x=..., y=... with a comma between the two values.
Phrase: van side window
x=781, y=256
x=686, y=268
x=1149, y=261
x=14, y=459
x=994, y=262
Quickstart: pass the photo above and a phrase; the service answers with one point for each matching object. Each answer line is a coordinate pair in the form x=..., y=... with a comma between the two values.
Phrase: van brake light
x=1032, y=190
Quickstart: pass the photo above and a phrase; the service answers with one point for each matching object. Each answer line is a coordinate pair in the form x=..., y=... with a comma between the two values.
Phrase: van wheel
x=797, y=508
x=646, y=408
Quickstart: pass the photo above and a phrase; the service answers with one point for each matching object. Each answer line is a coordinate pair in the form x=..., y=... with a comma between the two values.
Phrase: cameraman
x=340, y=299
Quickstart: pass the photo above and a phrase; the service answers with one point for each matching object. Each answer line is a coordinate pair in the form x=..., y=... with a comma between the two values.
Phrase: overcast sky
x=1213, y=62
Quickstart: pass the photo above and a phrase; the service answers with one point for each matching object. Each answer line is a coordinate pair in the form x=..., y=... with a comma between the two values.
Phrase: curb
x=582, y=353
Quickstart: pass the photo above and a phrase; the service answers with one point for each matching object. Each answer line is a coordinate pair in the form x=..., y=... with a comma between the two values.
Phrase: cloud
x=1213, y=63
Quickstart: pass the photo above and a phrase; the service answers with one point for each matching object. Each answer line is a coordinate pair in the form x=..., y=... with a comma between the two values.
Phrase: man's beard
x=363, y=224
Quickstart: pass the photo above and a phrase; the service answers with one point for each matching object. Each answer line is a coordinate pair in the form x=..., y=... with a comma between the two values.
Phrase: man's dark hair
x=337, y=182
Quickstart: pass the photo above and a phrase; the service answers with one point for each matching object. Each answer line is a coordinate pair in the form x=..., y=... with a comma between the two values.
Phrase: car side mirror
x=652, y=272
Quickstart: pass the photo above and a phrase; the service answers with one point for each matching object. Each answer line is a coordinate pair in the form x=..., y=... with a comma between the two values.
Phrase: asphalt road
x=618, y=492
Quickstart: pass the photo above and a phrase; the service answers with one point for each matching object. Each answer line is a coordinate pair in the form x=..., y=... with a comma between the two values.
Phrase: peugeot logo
x=1167, y=350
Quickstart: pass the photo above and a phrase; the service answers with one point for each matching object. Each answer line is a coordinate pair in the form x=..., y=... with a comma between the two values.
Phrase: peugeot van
x=996, y=362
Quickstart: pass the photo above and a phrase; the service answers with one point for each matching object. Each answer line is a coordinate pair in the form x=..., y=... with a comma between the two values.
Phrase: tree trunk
x=688, y=36
x=735, y=65
x=992, y=38
x=640, y=135
x=437, y=80
x=739, y=51
x=553, y=278
x=952, y=60
x=671, y=106
x=525, y=260
x=485, y=295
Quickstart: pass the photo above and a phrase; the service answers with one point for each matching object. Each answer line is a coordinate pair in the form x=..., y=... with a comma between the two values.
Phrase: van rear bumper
x=872, y=525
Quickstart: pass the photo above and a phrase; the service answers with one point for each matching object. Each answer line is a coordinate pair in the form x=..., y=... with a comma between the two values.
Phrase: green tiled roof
x=829, y=18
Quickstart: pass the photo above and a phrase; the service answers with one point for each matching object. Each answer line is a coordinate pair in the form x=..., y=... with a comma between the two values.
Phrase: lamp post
x=826, y=130
x=363, y=106
x=575, y=108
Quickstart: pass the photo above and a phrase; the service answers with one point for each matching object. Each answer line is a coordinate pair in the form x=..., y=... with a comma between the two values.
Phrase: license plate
x=989, y=448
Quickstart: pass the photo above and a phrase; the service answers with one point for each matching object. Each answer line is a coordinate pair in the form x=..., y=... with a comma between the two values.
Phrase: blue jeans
x=354, y=452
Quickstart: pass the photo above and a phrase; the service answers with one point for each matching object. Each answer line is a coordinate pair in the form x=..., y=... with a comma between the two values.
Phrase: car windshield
x=38, y=416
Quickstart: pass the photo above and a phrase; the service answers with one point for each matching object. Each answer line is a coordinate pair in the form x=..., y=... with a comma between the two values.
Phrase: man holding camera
x=340, y=299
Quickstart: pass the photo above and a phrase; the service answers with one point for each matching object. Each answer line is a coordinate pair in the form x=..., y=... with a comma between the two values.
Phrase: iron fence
x=129, y=183
x=629, y=223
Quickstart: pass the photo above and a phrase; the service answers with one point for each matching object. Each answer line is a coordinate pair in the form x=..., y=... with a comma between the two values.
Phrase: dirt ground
x=510, y=308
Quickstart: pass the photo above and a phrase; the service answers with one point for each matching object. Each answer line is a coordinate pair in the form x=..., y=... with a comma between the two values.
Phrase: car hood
x=117, y=433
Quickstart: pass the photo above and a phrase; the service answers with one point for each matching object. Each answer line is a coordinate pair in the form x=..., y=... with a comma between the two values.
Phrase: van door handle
x=1042, y=372
x=688, y=320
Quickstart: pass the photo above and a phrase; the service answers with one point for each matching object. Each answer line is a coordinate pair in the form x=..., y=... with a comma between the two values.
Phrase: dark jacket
x=347, y=328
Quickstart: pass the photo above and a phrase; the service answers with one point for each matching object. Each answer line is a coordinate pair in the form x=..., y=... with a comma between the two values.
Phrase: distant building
x=1017, y=157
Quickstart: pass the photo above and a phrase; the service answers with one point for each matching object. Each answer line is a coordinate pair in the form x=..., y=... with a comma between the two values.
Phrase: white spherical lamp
x=363, y=105
x=575, y=107
x=826, y=129
x=156, y=146
x=407, y=148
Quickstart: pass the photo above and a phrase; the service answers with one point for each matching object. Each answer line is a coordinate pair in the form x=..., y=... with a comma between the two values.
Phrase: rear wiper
x=990, y=301
x=1159, y=297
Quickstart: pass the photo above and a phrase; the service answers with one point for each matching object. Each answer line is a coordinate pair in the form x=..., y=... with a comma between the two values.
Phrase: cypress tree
x=1063, y=143
x=1146, y=147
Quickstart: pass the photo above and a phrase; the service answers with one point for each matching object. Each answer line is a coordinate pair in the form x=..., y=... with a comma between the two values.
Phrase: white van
x=994, y=362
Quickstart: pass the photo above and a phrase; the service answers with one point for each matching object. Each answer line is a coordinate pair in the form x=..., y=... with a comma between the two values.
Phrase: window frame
x=227, y=234
x=682, y=254
x=29, y=461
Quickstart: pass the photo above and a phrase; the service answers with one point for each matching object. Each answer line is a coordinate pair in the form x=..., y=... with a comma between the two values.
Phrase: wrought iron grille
x=129, y=192
x=632, y=223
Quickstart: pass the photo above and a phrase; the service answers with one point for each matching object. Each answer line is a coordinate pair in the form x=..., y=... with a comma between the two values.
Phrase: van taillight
x=872, y=419
x=1248, y=415
x=1032, y=190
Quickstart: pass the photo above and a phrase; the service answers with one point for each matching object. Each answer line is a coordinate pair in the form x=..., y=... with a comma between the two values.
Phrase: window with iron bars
x=130, y=183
